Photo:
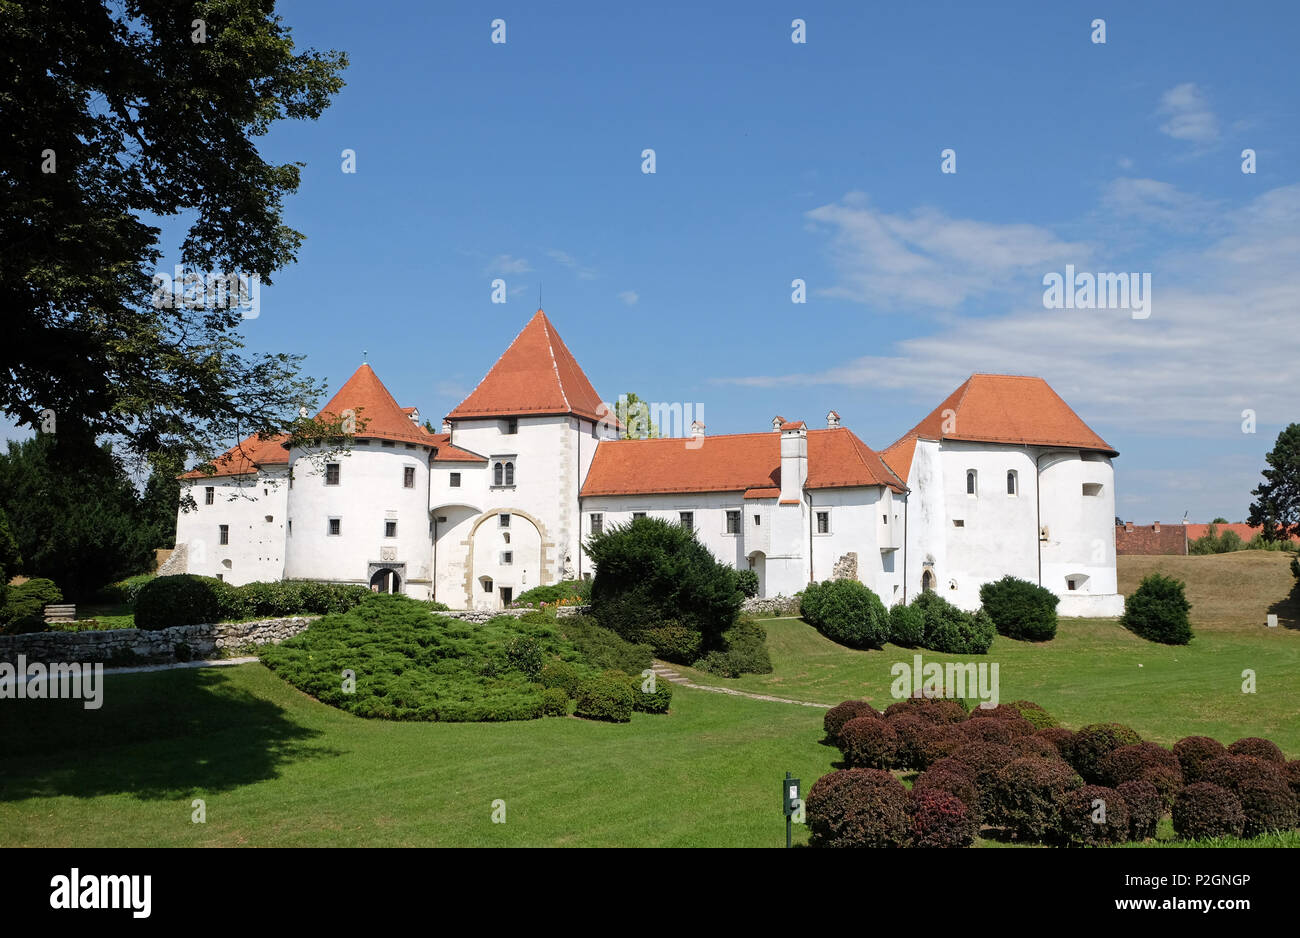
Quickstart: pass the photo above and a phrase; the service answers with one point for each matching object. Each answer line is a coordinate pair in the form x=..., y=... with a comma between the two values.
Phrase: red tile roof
x=536, y=375
x=1243, y=531
x=1012, y=409
x=741, y=462
x=379, y=417
x=449, y=453
x=793, y=425
x=245, y=457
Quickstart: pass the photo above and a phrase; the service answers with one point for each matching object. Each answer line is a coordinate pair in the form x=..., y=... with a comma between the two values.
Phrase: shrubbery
x=940, y=819
x=1028, y=796
x=868, y=742
x=840, y=714
x=1264, y=749
x=555, y=702
x=605, y=698
x=745, y=652
x=952, y=631
x=651, y=701
x=1194, y=753
x=906, y=625
x=1157, y=611
x=189, y=600
x=182, y=600
x=1020, y=609
x=561, y=675
x=125, y=591
x=1145, y=806
x=1094, y=815
x=858, y=808
x=1095, y=742
x=1203, y=810
x=747, y=582
x=571, y=591
x=674, y=642
x=24, y=605
x=1260, y=787
x=602, y=648
x=849, y=613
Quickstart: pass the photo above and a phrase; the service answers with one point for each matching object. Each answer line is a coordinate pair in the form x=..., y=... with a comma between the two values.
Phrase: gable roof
x=741, y=462
x=536, y=375
x=248, y=455
x=378, y=415
x=1017, y=410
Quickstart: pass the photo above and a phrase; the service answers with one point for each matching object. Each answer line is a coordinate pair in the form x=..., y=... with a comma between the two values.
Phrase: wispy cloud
x=928, y=259
x=1187, y=114
x=507, y=264
x=580, y=270
x=1159, y=204
x=629, y=297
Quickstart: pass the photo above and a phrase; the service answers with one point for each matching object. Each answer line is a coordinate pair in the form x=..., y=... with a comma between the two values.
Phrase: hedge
x=605, y=698
x=1020, y=609
x=1157, y=611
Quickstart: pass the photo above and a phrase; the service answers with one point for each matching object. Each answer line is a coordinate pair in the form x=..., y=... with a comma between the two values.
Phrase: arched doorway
x=927, y=581
x=758, y=563
x=386, y=580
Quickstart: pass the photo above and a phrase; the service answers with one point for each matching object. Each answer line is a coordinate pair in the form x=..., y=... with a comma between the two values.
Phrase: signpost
x=790, y=800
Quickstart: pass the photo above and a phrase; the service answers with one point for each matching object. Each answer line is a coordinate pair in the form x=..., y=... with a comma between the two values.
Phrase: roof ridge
x=555, y=365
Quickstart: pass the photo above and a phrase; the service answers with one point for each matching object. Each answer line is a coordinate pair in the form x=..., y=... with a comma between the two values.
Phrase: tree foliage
x=1276, y=507
x=117, y=116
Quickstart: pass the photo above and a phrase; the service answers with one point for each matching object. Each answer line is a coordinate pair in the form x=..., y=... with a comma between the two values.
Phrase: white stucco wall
x=256, y=548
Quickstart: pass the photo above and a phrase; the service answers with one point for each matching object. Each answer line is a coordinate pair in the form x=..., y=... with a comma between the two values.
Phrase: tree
x=634, y=414
x=1276, y=508
x=117, y=115
x=1219, y=520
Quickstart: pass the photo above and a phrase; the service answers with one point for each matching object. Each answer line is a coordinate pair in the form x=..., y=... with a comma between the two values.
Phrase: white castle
x=1001, y=478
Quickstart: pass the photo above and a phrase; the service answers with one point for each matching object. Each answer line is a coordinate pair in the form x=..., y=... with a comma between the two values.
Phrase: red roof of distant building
x=246, y=457
x=1013, y=409
x=741, y=462
x=536, y=375
x=1244, y=531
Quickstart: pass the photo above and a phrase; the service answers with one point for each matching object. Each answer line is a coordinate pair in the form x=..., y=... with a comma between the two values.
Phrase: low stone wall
x=772, y=605
x=479, y=616
x=149, y=646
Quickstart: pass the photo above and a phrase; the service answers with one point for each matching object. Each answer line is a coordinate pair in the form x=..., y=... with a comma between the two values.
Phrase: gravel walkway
x=666, y=672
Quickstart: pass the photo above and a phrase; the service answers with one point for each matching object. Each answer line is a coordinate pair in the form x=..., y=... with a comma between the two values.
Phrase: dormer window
x=510, y=426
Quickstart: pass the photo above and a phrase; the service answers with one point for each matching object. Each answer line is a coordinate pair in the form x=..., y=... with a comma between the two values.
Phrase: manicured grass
x=1228, y=592
x=278, y=768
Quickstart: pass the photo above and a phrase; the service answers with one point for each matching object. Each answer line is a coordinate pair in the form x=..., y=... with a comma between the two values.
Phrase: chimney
x=1156, y=527
x=415, y=416
x=697, y=429
x=794, y=460
x=832, y=420
x=776, y=423
x=446, y=425
x=1128, y=527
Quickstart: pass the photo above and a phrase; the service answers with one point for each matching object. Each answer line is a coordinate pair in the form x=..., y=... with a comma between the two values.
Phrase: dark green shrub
x=181, y=600
x=1095, y=742
x=25, y=625
x=650, y=571
x=124, y=591
x=674, y=642
x=810, y=603
x=1145, y=807
x=940, y=819
x=1194, y=753
x=30, y=599
x=852, y=615
x=840, y=714
x=1020, y=609
x=952, y=631
x=1264, y=749
x=1028, y=796
x=1157, y=611
x=563, y=676
x=1203, y=811
x=555, y=702
x=868, y=742
x=602, y=648
x=1036, y=715
x=537, y=617
x=605, y=698
x=1094, y=816
x=747, y=582
x=906, y=625
x=858, y=808
x=525, y=656
x=651, y=701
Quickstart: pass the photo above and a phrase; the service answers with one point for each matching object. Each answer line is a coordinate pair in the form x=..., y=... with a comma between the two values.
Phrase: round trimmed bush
x=604, y=698
x=852, y=615
x=1264, y=749
x=940, y=819
x=953, y=781
x=183, y=599
x=1196, y=752
x=1168, y=781
x=1129, y=763
x=1095, y=742
x=906, y=625
x=1261, y=788
x=747, y=582
x=563, y=675
x=1204, y=810
x=1027, y=796
x=1021, y=610
x=938, y=742
x=674, y=642
x=858, y=808
x=840, y=714
x=913, y=735
x=981, y=762
x=990, y=731
x=937, y=710
x=1094, y=815
x=555, y=702
x=1035, y=746
x=1000, y=712
x=1058, y=736
x=1145, y=807
x=810, y=602
x=868, y=742
x=1292, y=773
x=1036, y=715
x=1157, y=611
x=651, y=701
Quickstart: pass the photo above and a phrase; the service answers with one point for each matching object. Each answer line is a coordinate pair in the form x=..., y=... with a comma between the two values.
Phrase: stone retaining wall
x=773, y=605
x=149, y=646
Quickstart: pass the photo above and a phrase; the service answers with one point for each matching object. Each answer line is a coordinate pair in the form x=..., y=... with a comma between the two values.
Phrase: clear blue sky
x=818, y=161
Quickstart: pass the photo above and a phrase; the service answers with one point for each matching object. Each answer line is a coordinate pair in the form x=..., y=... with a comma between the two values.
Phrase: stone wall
x=149, y=646
x=772, y=605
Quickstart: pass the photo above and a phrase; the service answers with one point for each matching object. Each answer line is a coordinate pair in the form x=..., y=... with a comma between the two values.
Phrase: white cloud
x=506, y=264
x=929, y=260
x=1226, y=309
x=1188, y=115
x=582, y=271
x=1159, y=203
x=629, y=297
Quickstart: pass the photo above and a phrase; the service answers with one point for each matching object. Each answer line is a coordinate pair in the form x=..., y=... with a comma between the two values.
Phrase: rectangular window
x=733, y=522
x=758, y=519
x=408, y=477
x=1070, y=584
x=970, y=481
x=331, y=473
x=504, y=520
x=823, y=522
x=410, y=446
x=687, y=519
x=221, y=576
x=1011, y=482
x=209, y=495
x=487, y=585
x=455, y=480
x=1092, y=488
x=958, y=523
x=507, y=557
x=390, y=529
x=637, y=514
x=224, y=536
x=597, y=523
x=511, y=426
x=291, y=528
x=336, y=527
x=388, y=444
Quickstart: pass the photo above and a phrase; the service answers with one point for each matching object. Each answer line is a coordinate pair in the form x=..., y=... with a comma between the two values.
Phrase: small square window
x=487, y=585
x=687, y=519
x=1070, y=584
x=209, y=495
x=823, y=522
x=733, y=522
x=455, y=480
x=390, y=529
x=503, y=519
x=597, y=523
x=958, y=523
x=507, y=557
x=336, y=527
x=221, y=576
x=884, y=519
x=512, y=426
x=637, y=515
x=331, y=473
x=408, y=477
x=224, y=536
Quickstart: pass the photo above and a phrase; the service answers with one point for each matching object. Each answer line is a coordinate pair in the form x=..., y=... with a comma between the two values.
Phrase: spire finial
x=365, y=357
